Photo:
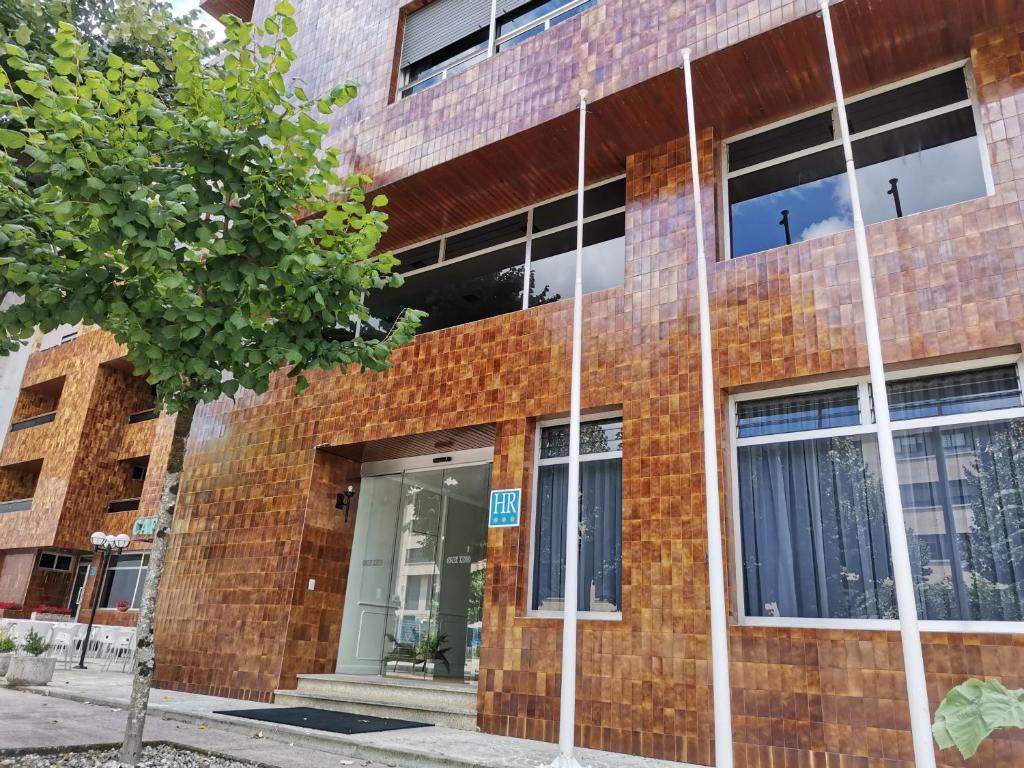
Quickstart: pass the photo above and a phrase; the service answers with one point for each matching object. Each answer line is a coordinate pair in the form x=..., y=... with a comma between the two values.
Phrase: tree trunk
x=145, y=651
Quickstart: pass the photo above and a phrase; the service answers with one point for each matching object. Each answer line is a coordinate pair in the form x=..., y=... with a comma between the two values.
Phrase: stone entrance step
x=449, y=704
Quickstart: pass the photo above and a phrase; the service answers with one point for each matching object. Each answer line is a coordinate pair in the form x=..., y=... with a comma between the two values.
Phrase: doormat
x=323, y=719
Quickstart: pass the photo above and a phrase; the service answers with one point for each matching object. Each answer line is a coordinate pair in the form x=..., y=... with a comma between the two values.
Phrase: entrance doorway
x=78, y=586
x=414, y=600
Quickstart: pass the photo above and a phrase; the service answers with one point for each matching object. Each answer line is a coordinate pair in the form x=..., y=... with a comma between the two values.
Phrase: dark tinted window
x=418, y=257
x=606, y=197
x=907, y=101
x=777, y=142
x=954, y=393
x=485, y=286
x=553, y=260
x=485, y=236
x=821, y=410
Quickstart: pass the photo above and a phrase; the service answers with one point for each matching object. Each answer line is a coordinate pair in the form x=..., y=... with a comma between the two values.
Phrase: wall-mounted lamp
x=344, y=499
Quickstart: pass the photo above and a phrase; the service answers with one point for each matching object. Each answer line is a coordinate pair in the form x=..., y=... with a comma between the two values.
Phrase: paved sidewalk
x=34, y=722
x=188, y=714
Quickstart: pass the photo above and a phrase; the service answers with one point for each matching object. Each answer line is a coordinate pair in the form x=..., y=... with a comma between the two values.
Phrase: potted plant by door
x=7, y=649
x=32, y=668
x=121, y=605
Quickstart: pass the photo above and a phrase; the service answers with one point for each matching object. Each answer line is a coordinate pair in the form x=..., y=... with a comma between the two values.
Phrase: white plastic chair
x=65, y=641
x=14, y=629
x=42, y=628
x=122, y=648
x=102, y=641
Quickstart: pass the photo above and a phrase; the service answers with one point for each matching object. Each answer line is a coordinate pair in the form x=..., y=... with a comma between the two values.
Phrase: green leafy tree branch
x=192, y=210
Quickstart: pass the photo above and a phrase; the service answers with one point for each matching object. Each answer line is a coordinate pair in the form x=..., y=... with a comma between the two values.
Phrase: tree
x=203, y=225
x=132, y=29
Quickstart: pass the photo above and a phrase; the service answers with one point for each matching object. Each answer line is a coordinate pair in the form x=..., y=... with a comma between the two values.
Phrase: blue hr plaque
x=504, y=508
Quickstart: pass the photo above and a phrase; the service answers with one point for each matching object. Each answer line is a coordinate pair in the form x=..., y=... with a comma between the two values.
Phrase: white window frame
x=971, y=101
x=142, y=566
x=491, y=49
x=531, y=612
x=865, y=427
x=528, y=238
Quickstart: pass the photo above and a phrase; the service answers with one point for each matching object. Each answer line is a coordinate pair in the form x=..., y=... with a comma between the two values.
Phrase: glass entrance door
x=78, y=587
x=413, y=605
x=438, y=575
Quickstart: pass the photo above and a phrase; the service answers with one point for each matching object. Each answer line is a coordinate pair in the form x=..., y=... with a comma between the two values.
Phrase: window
x=447, y=36
x=916, y=147
x=55, y=561
x=125, y=580
x=519, y=261
x=813, y=538
x=600, y=559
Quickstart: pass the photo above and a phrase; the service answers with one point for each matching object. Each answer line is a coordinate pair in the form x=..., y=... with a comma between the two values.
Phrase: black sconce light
x=344, y=499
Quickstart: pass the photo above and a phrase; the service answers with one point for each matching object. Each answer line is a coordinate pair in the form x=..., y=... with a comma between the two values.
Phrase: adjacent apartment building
x=467, y=119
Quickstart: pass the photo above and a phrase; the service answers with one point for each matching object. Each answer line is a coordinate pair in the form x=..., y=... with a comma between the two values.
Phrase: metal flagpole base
x=563, y=762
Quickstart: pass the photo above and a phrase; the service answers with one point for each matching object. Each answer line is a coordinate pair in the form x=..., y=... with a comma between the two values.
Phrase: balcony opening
x=18, y=485
x=139, y=397
x=37, y=404
x=130, y=477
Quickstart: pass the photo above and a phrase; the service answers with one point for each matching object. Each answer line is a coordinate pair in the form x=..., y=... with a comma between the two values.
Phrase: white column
x=716, y=566
x=567, y=708
x=913, y=659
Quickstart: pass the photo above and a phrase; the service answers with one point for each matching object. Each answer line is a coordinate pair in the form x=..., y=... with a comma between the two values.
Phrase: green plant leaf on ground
x=973, y=710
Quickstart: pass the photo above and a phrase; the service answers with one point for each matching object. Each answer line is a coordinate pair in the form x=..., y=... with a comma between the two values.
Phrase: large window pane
x=821, y=410
x=963, y=496
x=603, y=436
x=474, y=289
x=953, y=393
x=809, y=195
x=553, y=260
x=600, y=579
x=934, y=162
x=813, y=530
x=907, y=165
x=124, y=582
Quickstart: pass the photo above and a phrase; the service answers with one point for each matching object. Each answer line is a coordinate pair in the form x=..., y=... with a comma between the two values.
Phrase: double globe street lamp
x=109, y=547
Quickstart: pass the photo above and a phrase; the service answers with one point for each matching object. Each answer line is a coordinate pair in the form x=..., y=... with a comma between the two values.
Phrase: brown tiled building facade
x=258, y=522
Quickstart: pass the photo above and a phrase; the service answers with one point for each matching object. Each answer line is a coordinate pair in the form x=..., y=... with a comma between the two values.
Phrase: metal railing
x=35, y=421
x=15, y=505
x=135, y=418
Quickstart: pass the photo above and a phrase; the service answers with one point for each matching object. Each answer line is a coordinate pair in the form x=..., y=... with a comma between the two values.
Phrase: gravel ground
x=152, y=757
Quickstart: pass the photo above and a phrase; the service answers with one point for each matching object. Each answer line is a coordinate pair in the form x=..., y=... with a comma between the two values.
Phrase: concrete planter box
x=30, y=670
x=50, y=616
x=5, y=662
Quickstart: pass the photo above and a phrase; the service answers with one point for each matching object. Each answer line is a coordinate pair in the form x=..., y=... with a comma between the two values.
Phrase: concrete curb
x=335, y=743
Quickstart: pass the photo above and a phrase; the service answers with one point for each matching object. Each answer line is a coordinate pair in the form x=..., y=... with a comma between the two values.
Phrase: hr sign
x=504, y=509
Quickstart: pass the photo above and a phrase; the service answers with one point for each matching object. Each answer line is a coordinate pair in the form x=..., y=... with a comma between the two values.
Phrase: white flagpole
x=910, y=634
x=716, y=566
x=567, y=708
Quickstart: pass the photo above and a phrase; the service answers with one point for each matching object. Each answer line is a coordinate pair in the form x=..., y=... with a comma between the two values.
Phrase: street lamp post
x=108, y=546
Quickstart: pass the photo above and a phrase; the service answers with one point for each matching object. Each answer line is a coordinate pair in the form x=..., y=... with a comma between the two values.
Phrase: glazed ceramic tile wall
x=78, y=454
x=800, y=696
x=256, y=520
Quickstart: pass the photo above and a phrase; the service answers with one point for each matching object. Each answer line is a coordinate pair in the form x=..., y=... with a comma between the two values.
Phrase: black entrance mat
x=323, y=719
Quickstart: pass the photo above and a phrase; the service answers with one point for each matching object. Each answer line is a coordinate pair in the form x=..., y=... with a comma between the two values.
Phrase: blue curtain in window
x=814, y=536
x=963, y=496
x=600, y=569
